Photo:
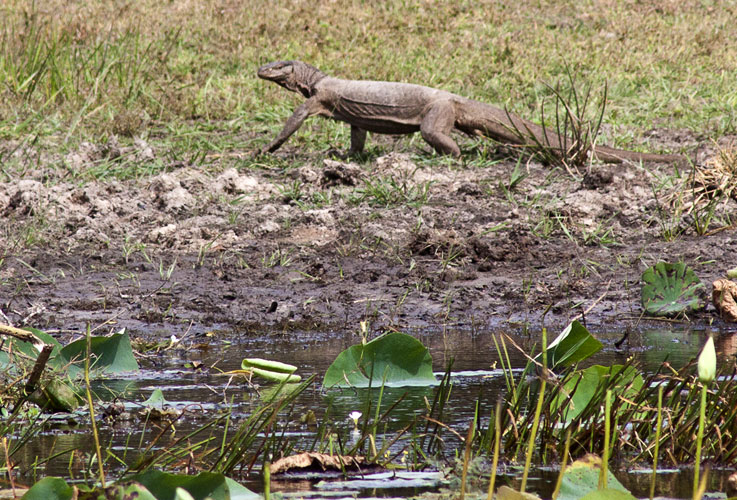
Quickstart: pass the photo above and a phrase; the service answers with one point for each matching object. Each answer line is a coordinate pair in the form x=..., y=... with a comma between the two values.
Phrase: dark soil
x=235, y=246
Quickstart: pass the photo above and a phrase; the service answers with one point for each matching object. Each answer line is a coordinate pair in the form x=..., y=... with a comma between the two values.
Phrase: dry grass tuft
x=709, y=184
x=717, y=178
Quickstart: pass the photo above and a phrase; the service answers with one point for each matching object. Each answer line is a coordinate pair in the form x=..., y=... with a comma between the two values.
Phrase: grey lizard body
x=405, y=108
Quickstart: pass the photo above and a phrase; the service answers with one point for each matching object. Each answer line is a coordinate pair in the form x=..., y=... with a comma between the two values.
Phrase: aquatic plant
x=577, y=404
x=150, y=485
x=707, y=369
x=273, y=371
x=393, y=360
x=670, y=289
x=256, y=436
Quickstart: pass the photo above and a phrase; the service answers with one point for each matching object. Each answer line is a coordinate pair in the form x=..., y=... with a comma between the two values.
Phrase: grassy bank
x=182, y=74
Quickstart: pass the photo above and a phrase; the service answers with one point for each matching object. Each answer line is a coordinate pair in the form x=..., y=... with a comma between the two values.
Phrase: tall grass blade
x=497, y=440
x=538, y=410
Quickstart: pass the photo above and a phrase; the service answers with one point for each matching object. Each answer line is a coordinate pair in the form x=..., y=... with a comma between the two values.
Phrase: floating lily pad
x=581, y=479
x=395, y=360
x=157, y=408
x=150, y=485
x=398, y=479
x=670, y=289
x=49, y=488
x=30, y=349
x=156, y=400
x=205, y=485
x=109, y=354
x=273, y=376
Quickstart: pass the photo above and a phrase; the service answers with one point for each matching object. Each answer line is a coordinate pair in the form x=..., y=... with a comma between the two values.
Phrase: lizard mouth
x=275, y=71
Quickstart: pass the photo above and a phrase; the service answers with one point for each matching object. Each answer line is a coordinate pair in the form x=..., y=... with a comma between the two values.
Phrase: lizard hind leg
x=358, y=140
x=436, y=125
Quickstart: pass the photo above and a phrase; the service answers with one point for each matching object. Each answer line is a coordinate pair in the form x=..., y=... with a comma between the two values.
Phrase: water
x=202, y=394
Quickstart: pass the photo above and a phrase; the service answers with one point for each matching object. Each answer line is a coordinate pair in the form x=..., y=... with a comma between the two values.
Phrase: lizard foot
x=336, y=153
x=255, y=154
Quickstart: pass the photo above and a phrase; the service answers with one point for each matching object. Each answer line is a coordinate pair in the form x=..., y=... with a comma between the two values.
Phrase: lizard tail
x=613, y=155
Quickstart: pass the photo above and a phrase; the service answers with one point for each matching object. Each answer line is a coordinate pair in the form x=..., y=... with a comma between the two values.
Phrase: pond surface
x=204, y=393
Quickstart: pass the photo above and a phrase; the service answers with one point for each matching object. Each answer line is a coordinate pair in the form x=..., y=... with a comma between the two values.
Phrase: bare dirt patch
x=402, y=241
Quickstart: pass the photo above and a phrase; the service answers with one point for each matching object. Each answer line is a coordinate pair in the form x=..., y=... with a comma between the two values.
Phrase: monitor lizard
x=405, y=108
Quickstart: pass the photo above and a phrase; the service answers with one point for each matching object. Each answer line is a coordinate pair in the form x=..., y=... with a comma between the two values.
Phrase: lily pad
x=111, y=354
x=57, y=395
x=587, y=383
x=30, y=349
x=150, y=485
x=49, y=488
x=581, y=478
x=608, y=494
x=210, y=485
x=156, y=400
x=575, y=343
x=394, y=360
x=670, y=289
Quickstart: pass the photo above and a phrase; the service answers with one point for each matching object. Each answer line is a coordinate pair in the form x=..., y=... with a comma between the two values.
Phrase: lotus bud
x=708, y=362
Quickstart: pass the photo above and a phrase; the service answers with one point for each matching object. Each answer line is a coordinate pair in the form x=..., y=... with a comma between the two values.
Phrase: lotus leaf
x=581, y=479
x=394, y=359
x=670, y=289
x=574, y=344
x=585, y=385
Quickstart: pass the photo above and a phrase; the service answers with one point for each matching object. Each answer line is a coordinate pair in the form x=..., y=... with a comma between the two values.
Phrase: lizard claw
x=336, y=153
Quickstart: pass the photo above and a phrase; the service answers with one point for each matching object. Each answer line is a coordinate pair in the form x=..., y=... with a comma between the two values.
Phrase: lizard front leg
x=437, y=122
x=310, y=107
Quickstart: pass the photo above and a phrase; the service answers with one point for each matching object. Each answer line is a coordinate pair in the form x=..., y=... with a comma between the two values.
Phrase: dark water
x=203, y=394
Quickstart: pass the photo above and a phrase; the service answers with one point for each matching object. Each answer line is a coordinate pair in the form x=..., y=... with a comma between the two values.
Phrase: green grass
x=182, y=74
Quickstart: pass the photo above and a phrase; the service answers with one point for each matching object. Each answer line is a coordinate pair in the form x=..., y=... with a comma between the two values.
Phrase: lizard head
x=292, y=75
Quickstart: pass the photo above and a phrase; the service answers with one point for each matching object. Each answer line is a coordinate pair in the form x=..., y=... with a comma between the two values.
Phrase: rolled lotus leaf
x=276, y=376
x=266, y=364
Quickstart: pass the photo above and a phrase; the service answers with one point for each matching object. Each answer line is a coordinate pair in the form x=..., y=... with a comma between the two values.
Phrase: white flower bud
x=708, y=362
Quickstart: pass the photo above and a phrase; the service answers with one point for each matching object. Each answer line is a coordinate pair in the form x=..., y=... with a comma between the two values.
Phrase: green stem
x=467, y=458
x=267, y=480
x=607, y=430
x=95, y=435
x=536, y=421
x=657, y=441
x=699, y=438
x=563, y=464
x=497, y=438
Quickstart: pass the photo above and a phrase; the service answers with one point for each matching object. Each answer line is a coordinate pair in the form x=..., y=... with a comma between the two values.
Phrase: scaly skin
x=405, y=108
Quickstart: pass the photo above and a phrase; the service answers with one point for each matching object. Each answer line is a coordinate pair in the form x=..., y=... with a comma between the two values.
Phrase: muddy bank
x=403, y=241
